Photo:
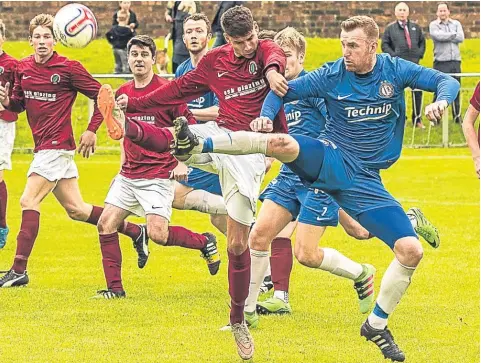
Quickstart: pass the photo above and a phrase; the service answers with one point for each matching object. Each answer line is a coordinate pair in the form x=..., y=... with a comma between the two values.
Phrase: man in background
x=447, y=34
x=404, y=39
x=222, y=7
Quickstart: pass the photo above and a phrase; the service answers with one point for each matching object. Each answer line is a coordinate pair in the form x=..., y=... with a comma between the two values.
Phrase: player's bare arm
x=470, y=134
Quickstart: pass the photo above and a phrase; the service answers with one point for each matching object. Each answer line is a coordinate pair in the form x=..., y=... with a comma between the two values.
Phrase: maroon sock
x=3, y=204
x=239, y=273
x=281, y=263
x=111, y=260
x=148, y=136
x=130, y=229
x=95, y=215
x=180, y=236
x=25, y=239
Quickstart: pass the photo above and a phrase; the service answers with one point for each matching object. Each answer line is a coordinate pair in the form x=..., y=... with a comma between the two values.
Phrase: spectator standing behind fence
x=132, y=18
x=447, y=33
x=176, y=13
x=118, y=37
x=404, y=39
x=222, y=7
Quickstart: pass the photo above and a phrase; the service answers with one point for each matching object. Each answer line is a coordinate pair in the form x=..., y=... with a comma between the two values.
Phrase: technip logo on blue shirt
x=372, y=113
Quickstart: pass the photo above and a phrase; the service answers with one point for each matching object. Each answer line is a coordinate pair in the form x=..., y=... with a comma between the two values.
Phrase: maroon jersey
x=8, y=66
x=140, y=163
x=239, y=84
x=475, y=103
x=47, y=92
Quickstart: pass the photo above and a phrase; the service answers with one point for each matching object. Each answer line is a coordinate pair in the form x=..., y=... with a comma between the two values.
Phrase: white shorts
x=237, y=173
x=7, y=137
x=54, y=165
x=142, y=196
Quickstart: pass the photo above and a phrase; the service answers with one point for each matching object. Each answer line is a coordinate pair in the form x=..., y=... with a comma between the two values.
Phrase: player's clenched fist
x=435, y=110
x=123, y=101
x=4, y=92
x=262, y=124
x=277, y=82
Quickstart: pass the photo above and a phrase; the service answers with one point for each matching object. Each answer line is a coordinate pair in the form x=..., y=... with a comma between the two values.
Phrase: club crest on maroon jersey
x=252, y=67
x=55, y=79
x=386, y=90
x=2, y=70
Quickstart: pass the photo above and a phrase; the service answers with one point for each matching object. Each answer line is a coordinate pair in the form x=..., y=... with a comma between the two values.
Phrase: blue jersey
x=305, y=117
x=366, y=113
x=207, y=100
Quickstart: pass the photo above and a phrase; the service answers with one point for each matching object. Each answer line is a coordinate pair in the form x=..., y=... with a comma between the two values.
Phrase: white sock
x=268, y=270
x=240, y=142
x=377, y=322
x=205, y=202
x=338, y=264
x=394, y=284
x=259, y=262
x=283, y=295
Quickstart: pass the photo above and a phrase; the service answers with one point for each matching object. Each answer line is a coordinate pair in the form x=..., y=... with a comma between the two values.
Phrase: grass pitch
x=174, y=308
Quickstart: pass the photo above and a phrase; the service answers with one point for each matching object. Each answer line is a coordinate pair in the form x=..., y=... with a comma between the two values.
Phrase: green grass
x=175, y=308
x=98, y=58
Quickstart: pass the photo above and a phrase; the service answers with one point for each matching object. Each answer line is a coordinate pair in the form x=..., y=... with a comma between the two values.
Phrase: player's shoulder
x=184, y=67
x=7, y=58
x=127, y=86
x=158, y=80
x=220, y=51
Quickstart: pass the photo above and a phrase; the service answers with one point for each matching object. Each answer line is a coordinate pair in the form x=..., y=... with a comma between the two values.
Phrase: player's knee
x=105, y=225
x=258, y=240
x=304, y=255
x=76, y=213
x=281, y=144
x=158, y=235
x=409, y=251
x=27, y=202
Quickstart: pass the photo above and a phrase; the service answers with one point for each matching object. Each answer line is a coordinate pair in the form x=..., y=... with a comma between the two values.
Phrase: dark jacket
x=221, y=9
x=132, y=19
x=119, y=36
x=394, y=41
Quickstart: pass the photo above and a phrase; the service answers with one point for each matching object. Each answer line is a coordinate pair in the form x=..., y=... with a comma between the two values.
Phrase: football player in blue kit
x=364, y=96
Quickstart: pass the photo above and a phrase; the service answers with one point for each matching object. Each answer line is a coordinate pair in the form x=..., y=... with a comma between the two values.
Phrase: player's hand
x=476, y=165
x=123, y=101
x=88, y=143
x=180, y=173
x=434, y=111
x=4, y=90
x=277, y=82
x=262, y=124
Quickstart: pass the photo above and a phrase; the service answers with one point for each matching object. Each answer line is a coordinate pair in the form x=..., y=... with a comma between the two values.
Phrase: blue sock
x=208, y=146
x=380, y=312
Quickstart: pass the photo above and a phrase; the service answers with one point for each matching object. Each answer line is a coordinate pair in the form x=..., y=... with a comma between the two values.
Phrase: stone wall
x=313, y=18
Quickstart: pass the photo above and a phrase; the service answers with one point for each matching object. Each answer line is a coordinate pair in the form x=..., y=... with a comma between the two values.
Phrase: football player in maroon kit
x=8, y=66
x=470, y=117
x=46, y=85
x=143, y=187
x=240, y=74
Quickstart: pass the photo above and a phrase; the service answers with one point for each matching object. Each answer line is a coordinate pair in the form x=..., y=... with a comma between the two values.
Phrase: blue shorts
x=200, y=179
x=312, y=206
x=358, y=190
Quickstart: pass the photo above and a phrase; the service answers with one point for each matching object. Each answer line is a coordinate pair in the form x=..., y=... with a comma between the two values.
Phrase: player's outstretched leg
x=114, y=118
x=424, y=227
